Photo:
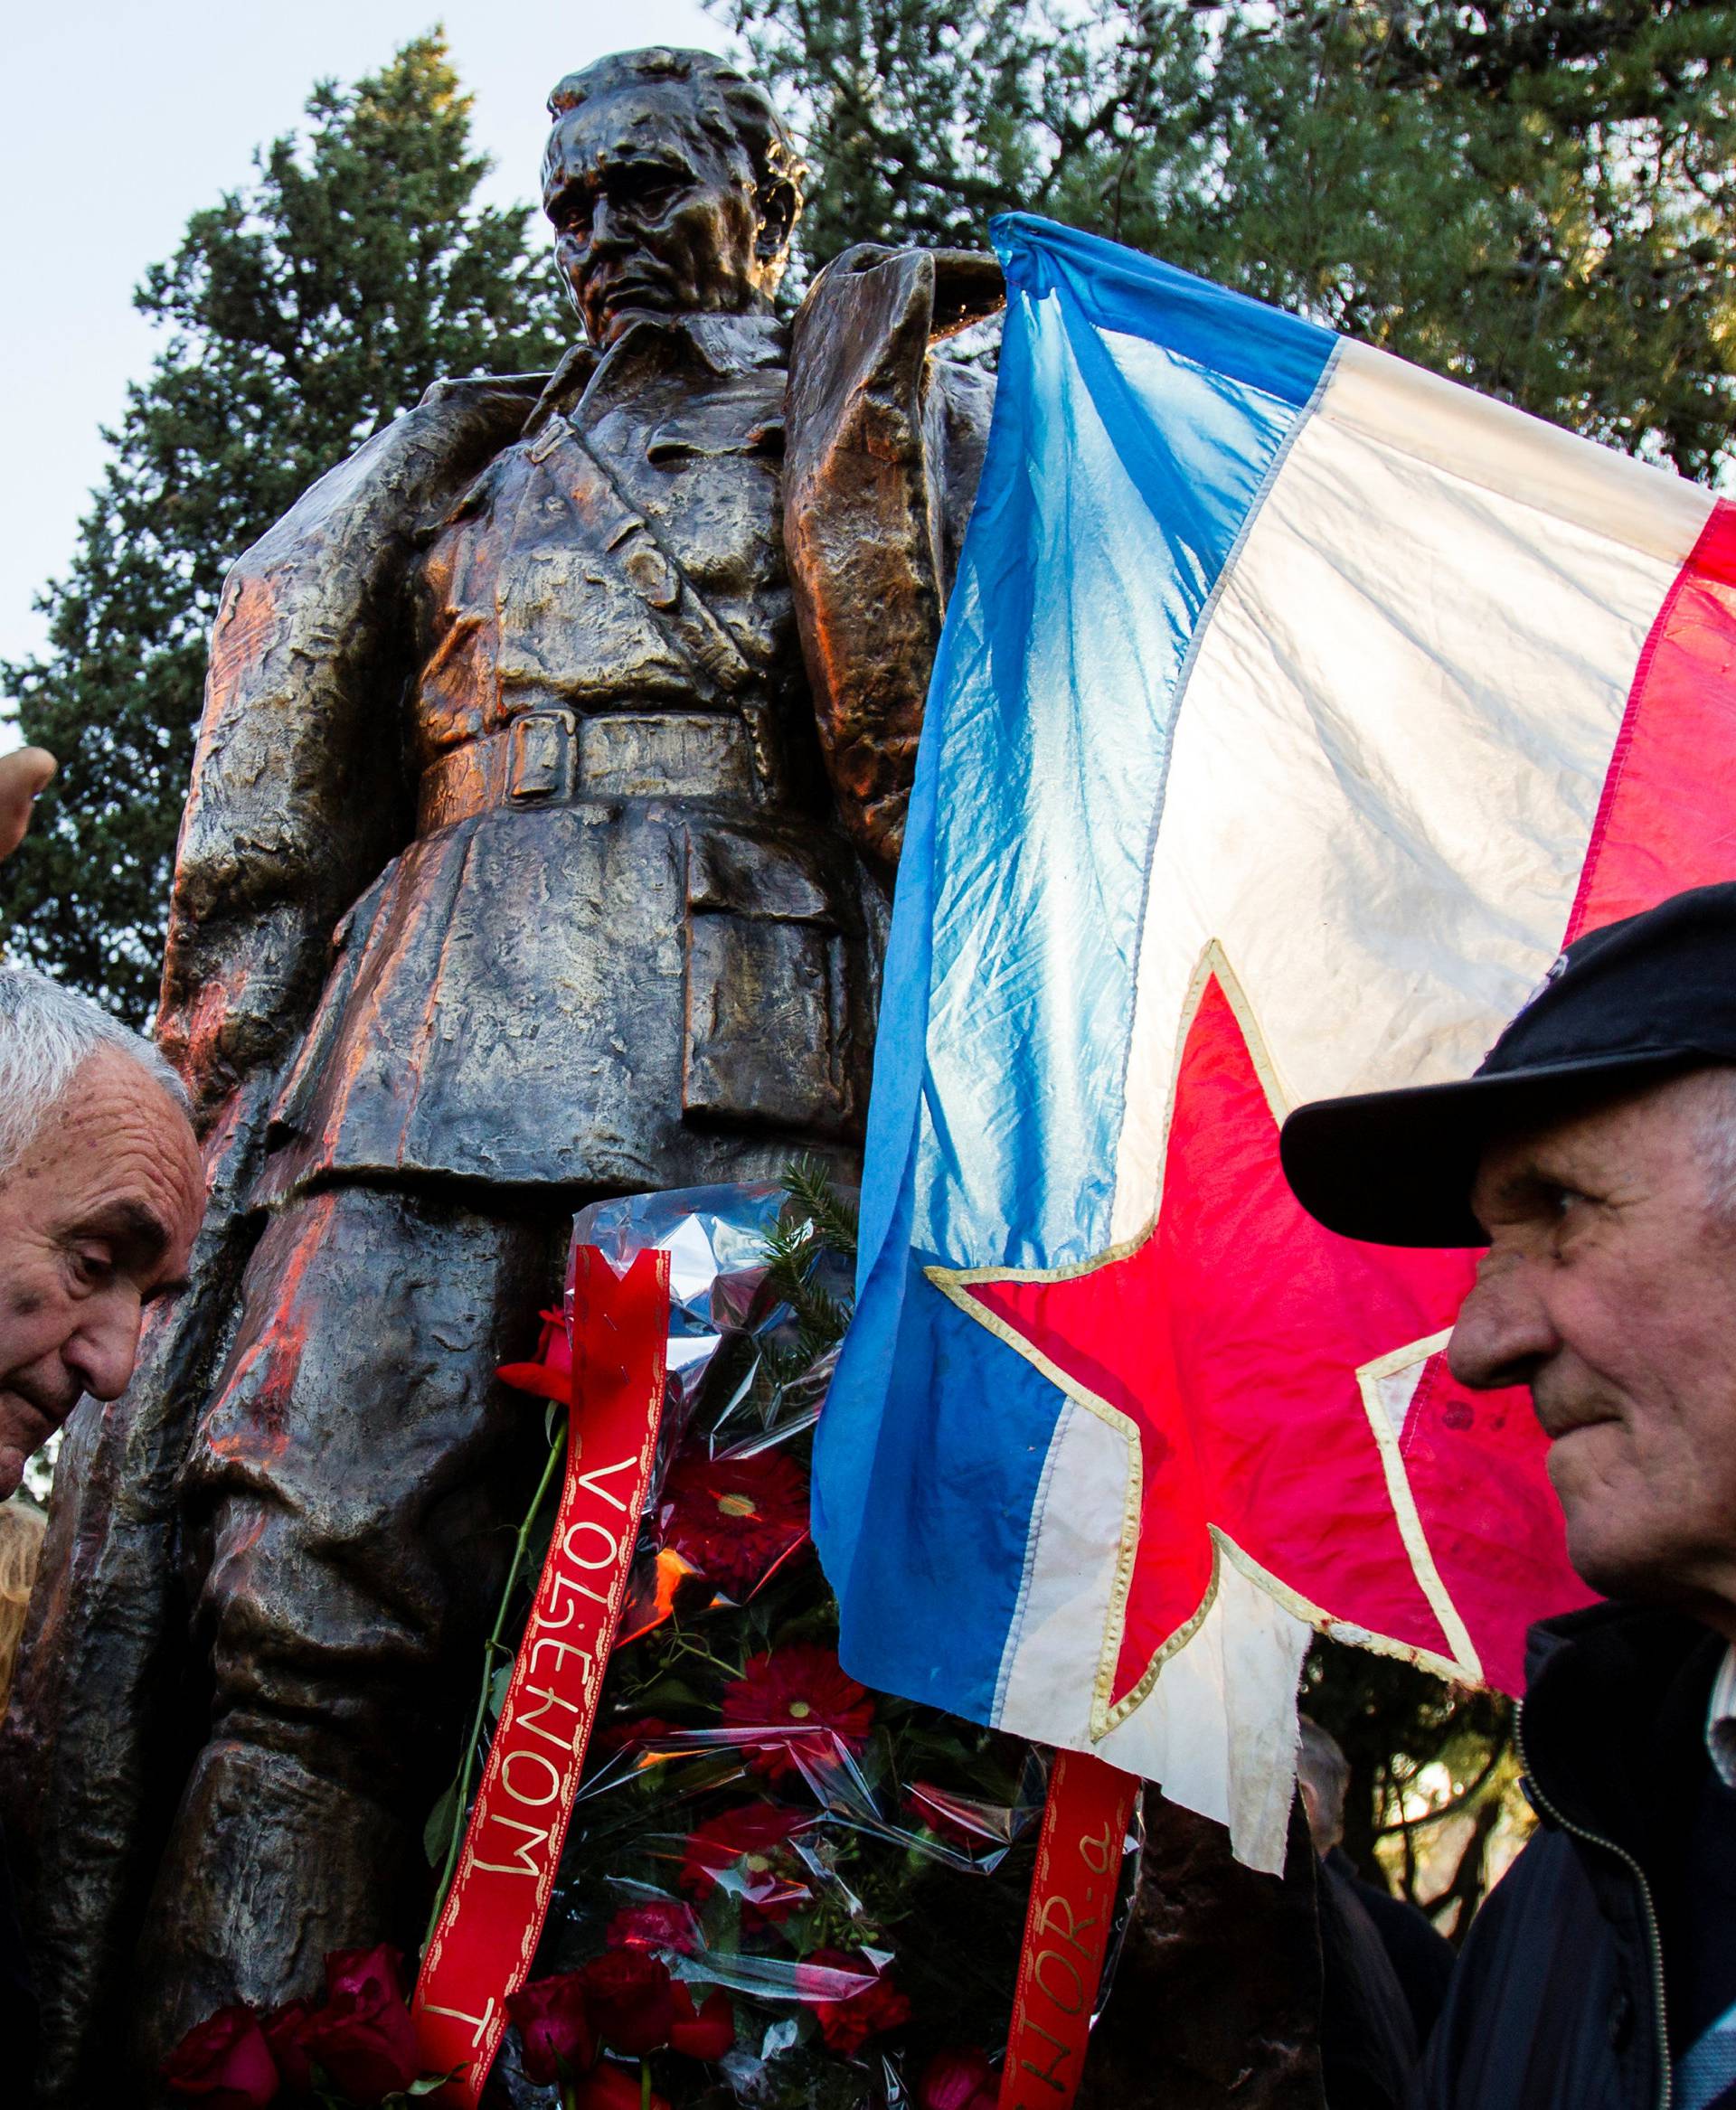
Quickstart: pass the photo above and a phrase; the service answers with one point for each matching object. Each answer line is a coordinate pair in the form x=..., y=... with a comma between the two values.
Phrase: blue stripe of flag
x=1138, y=414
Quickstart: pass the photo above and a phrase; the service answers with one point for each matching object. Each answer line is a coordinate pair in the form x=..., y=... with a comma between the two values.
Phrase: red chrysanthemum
x=742, y=1845
x=734, y=1519
x=801, y=1689
x=852, y=2001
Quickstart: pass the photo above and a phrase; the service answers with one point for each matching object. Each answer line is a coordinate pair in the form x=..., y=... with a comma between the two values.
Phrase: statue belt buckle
x=542, y=757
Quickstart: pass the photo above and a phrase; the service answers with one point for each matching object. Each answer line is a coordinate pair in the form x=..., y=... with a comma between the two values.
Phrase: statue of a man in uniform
x=554, y=754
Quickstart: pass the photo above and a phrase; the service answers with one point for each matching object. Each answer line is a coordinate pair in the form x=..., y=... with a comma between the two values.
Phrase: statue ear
x=778, y=202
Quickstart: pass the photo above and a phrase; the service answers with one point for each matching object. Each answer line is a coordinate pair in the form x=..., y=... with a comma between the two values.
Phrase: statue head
x=673, y=187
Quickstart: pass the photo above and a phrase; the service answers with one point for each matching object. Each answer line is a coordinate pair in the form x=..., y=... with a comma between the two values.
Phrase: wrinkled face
x=96, y=1218
x=652, y=215
x=1609, y=1288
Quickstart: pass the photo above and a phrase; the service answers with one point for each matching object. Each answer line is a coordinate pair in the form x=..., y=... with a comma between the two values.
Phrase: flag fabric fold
x=1294, y=708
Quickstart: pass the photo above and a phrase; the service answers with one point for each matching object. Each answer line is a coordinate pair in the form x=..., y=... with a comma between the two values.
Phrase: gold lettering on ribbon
x=486, y=1932
x=478, y=2022
x=1066, y=1931
x=521, y=1864
x=611, y=1545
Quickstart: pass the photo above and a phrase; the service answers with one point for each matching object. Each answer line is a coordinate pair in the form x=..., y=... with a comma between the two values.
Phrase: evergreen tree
x=302, y=312
x=1534, y=198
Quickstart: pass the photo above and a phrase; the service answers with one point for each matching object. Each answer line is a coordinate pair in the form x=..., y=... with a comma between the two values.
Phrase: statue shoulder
x=401, y=480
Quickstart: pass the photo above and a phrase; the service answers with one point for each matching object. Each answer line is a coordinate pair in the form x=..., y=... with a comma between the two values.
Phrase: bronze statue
x=555, y=755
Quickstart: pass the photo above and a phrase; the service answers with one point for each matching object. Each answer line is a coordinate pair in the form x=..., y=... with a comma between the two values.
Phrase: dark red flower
x=800, y=1688
x=741, y=1845
x=957, y=2080
x=852, y=2001
x=553, y=2022
x=614, y=2087
x=284, y=2029
x=660, y=1923
x=705, y=2032
x=363, y=2036
x=225, y=2062
x=734, y=1519
x=550, y=1375
x=953, y=1818
x=629, y=1999
x=625, y=1736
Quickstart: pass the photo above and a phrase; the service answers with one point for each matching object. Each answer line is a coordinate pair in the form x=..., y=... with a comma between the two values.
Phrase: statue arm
x=298, y=797
x=883, y=447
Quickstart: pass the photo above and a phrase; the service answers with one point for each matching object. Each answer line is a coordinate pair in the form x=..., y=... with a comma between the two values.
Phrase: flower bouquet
x=777, y=1888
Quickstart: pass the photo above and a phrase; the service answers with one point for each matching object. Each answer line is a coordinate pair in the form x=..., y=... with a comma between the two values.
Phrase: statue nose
x=608, y=234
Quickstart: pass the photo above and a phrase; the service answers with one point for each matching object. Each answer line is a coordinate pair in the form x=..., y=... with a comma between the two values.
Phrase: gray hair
x=1323, y=1769
x=47, y=1035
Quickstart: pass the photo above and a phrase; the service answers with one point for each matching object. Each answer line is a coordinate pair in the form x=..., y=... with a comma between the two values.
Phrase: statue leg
x=349, y=1501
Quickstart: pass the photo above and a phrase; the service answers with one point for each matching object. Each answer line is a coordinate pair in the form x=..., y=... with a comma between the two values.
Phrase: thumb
x=22, y=774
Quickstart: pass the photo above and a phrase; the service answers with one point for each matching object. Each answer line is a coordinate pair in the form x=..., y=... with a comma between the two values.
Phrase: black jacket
x=1558, y=2001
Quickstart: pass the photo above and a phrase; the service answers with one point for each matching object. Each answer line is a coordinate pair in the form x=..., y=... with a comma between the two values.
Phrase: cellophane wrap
x=851, y=1870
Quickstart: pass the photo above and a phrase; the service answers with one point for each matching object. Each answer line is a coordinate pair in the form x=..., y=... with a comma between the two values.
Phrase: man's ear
x=779, y=203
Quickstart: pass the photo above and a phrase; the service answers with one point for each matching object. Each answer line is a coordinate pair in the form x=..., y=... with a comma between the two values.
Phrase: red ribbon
x=492, y=1920
x=1066, y=1930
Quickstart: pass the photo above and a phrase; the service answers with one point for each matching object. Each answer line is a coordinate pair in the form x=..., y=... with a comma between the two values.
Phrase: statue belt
x=554, y=758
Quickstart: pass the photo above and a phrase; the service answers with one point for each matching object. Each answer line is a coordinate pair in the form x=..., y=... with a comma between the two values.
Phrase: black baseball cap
x=1621, y=1007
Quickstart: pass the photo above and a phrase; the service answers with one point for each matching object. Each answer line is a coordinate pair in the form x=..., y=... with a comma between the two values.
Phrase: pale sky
x=126, y=116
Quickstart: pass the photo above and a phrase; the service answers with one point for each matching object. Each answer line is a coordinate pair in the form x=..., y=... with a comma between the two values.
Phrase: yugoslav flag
x=1294, y=708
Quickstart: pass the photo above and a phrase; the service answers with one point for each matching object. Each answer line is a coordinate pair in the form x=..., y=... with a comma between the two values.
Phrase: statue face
x=652, y=215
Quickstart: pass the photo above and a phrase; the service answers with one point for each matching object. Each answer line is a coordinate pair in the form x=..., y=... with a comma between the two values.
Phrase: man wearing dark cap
x=1594, y=1155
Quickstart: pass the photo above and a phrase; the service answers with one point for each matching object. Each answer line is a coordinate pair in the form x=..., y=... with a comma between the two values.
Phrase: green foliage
x=1433, y=1775
x=922, y=118
x=1534, y=198
x=303, y=311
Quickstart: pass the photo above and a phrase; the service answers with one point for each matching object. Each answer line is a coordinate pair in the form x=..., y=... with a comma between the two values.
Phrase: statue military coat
x=555, y=751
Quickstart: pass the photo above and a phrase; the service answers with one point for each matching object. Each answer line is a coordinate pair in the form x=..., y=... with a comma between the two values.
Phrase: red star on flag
x=1284, y=1402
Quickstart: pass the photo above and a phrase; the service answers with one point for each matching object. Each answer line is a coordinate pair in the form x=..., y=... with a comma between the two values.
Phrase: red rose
x=628, y=2000
x=739, y=1848
x=707, y=2033
x=613, y=2087
x=363, y=2036
x=285, y=2031
x=550, y=1375
x=956, y=2080
x=225, y=2061
x=553, y=2026
x=852, y=2001
x=800, y=1690
x=660, y=1923
x=734, y=1519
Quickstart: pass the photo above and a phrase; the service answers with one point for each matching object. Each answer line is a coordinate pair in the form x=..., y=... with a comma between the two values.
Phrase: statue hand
x=968, y=284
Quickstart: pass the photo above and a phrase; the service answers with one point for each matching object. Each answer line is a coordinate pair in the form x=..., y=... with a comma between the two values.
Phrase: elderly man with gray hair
x=100, y=1195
